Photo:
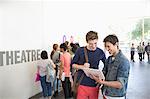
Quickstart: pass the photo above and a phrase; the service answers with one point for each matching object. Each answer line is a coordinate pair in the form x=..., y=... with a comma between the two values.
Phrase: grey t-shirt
x=56, y=58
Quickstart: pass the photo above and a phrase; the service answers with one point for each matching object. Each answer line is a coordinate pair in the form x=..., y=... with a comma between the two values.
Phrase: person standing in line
x=147, y=49
x=116, y=70
x=68, y=46
x=88, y=88
x=132, y=52
x=55, y=56
x=42, y=66
x=65, y=74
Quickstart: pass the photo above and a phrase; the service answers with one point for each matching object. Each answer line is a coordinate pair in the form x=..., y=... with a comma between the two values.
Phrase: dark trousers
x=140, y=56
x=67, y=88
x=132, y=55
x=143, y=55
x=148, y=56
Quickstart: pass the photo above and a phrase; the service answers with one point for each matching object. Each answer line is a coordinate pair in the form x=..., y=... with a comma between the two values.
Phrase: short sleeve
x=62, y=59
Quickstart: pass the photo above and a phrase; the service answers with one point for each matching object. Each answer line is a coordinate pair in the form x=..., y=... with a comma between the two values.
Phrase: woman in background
x=42, y=66
x=55, y=56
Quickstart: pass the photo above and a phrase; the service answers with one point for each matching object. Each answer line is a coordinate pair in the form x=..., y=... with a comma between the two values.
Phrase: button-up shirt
x=116, y=70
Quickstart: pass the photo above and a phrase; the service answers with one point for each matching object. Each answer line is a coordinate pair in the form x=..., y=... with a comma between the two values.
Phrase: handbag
x=77, y=82
x=37, y=78
x=50, y=73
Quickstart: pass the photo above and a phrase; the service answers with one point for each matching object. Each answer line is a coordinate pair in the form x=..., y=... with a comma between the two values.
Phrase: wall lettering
x=16, y=57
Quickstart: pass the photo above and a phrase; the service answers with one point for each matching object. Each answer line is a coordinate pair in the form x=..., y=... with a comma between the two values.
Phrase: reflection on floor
x=139, y=82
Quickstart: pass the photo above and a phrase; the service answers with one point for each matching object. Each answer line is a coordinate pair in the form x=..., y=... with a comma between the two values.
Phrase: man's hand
x=86, y=65
x=86, y=71
x=86, y=68
x=100, y=81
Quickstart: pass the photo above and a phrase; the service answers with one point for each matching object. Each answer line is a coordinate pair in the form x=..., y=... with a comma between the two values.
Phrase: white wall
x=20, y=29
x=37, y=24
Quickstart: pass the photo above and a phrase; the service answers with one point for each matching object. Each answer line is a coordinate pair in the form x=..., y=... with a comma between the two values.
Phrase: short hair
x=44, y=55
x=91, y=35
x=112, y=39
x=64, y=46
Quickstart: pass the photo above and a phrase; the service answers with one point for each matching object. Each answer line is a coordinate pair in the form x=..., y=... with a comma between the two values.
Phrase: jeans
x=57, y=85
x=46, y=86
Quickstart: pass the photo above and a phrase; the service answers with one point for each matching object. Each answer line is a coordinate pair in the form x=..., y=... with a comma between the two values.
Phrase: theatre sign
x=18, y=56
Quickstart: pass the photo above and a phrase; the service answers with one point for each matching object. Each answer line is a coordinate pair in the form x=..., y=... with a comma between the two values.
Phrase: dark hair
x=111, y=38
x=44, y=55
x=64, y=46
x=67, y=42
x=78, y=45
x=74, y=47
x=91, y=35
x=55, y=46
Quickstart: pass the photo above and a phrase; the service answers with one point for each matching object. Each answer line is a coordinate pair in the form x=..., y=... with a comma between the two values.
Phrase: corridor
x=138, y=87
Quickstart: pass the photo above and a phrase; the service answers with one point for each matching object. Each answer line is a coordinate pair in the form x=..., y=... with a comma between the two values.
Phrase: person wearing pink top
x=65, y=59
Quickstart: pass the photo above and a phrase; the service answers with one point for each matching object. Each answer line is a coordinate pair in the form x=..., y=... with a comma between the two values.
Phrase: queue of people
x=59, y=62
x=67, y=59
